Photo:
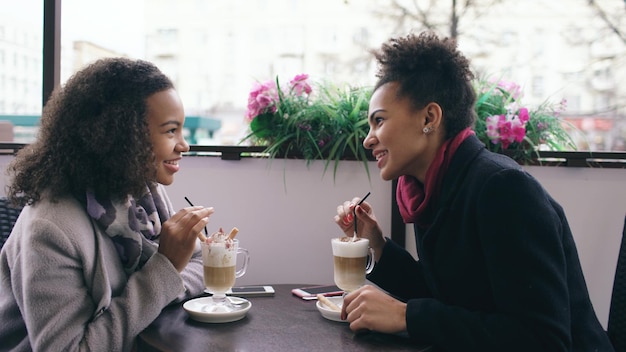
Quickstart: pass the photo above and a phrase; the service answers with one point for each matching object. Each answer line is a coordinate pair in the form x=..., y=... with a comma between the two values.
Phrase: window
x=214, y=51
x=21, y=44
x=538, y=86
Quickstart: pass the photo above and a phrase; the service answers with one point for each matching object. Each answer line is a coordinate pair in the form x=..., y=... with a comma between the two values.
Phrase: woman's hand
x=367, y=225
x=180, y=232
x=369, y=308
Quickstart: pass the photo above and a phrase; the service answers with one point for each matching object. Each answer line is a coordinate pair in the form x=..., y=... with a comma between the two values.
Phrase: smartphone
x=311, y=292
x=251, y=291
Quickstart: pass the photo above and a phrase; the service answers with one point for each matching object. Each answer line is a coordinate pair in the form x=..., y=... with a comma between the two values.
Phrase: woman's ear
x=433, y=118
x=434, y=115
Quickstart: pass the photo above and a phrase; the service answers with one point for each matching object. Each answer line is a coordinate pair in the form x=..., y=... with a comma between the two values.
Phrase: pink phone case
x=311, y=292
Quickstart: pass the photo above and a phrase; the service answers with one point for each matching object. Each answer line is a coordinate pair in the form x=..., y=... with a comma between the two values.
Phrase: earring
x=427, y=130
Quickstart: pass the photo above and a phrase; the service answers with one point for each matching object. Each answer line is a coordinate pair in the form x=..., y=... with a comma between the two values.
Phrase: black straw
x=354, y=210
x=190, y=203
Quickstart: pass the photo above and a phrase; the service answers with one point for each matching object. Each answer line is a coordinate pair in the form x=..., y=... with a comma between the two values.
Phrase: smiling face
x=396, y=134
x=165, y=123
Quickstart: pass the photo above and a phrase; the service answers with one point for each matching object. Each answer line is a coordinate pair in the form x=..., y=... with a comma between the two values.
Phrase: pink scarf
x=413, y=198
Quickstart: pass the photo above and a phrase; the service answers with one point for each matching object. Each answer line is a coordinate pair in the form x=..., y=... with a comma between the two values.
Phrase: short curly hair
x=430, y=69
x=93, y=135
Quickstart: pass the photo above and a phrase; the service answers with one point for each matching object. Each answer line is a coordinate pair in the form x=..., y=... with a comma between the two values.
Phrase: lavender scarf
x=133, y=225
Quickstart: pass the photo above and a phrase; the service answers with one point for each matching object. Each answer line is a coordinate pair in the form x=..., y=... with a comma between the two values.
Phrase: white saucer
x=196, y=308
x=329, y=313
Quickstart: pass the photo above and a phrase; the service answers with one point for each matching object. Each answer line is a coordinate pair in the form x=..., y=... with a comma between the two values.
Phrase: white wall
x=283, y=209
x=284, y=212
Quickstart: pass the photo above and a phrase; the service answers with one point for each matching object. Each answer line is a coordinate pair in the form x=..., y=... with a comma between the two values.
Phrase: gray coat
x=63, y=287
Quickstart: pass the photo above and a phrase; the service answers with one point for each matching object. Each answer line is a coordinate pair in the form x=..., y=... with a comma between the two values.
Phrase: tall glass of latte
x=219, y=256
x=353, y=259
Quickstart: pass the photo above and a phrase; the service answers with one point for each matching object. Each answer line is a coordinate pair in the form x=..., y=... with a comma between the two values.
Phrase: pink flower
x=492, y=128
x=505, y=133
x=523, y=115
x=300, y=85
x=262, y=98
x=506, y=129
x=518, y=131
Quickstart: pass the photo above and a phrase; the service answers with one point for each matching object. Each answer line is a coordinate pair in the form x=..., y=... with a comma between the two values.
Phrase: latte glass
x=352, y=261
x=220, y=271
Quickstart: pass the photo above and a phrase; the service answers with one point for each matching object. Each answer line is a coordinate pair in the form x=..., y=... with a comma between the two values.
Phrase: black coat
x=498, y=268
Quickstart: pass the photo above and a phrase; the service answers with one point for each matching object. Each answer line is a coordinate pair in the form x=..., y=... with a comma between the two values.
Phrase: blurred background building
x=571, y=50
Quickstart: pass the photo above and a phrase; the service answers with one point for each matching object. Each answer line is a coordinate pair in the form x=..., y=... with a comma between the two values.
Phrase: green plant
x=325, y=123
x=328, y=122
x=506, y=126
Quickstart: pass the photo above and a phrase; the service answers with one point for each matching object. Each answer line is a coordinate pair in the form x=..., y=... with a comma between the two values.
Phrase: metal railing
x=547, y=158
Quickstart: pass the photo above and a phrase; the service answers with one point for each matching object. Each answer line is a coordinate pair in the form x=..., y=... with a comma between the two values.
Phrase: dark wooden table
x=279, y=323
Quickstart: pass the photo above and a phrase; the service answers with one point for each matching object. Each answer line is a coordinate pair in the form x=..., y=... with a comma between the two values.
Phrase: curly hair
x=429, y=69
x=93, y=135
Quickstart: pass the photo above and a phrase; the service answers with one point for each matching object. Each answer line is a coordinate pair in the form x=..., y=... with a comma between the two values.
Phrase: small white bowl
x=196, y=308
x=329, y=313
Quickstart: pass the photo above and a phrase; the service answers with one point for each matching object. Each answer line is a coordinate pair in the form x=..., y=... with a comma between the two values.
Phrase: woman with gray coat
x=98, y=251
